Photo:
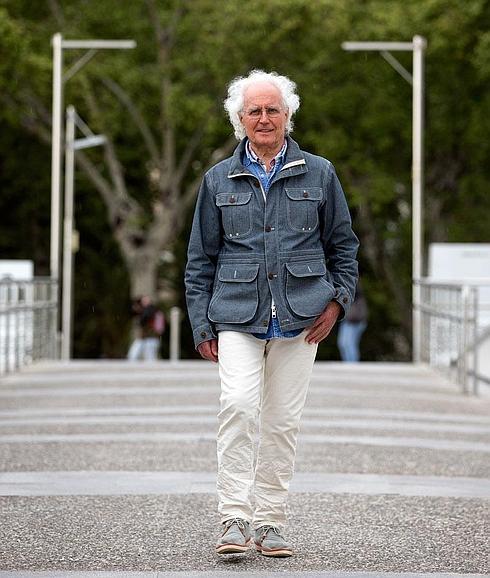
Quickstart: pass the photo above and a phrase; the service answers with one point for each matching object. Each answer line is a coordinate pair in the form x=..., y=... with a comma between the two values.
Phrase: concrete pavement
x=107, y=469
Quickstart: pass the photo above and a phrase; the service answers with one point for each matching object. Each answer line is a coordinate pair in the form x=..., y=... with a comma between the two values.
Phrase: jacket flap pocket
x=233, y=198
x=238, y=273
x=308, y=269
x=304, y=194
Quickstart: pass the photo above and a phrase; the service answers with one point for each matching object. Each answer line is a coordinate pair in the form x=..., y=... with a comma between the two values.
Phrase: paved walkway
x=107, y=470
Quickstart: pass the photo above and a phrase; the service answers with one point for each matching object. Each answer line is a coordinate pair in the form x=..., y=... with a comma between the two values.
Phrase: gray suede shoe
x=269, y=542
x=235, y=538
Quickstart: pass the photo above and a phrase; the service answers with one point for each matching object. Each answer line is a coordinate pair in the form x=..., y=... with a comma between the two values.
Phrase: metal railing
x=451, y=329
x=28, y=316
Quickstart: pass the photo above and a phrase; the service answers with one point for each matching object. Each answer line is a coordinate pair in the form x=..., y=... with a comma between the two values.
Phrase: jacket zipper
x=273, y=305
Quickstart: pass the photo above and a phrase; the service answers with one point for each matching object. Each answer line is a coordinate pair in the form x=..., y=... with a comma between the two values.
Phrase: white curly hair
x=236, y=90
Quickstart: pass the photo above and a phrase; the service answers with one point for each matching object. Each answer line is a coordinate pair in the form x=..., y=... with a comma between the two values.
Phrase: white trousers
x=265, y=381
x=146, y=349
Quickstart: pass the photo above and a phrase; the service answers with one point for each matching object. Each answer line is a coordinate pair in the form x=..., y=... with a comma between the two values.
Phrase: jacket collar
x=294, y=163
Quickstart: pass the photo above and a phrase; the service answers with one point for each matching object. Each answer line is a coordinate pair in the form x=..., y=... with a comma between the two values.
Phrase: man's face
x=264, y=116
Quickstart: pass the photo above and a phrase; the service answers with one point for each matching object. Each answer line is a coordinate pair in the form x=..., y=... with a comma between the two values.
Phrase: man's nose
x=263, y=116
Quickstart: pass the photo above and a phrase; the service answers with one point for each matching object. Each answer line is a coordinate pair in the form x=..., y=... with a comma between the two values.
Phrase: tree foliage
x=160, y=106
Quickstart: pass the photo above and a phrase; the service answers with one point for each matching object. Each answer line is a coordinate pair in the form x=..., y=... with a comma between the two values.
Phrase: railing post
x=175, y=318
x=465, y=334
x=7, y=327
x=53, y=301
x=17, y=339
x=475, y=340
x=425, y=325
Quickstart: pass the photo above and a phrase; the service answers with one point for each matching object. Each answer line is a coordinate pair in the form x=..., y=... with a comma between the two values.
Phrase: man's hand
x=324, y=323
x=209, y=350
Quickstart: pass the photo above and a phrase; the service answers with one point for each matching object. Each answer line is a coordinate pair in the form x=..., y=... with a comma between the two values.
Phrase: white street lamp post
x=56, y=153
x=59, y=44
x=416, y=79
x=72, y=144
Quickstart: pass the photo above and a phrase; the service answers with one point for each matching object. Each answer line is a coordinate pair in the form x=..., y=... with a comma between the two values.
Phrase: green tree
x=160, y=106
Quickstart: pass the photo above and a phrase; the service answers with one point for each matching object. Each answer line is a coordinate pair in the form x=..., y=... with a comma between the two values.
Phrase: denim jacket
x=296, y=245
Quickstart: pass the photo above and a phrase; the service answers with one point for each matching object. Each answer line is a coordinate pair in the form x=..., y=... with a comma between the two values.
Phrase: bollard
x=175, y=318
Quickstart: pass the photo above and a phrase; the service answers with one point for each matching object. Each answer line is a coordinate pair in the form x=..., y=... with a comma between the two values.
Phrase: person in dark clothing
x=151, y=326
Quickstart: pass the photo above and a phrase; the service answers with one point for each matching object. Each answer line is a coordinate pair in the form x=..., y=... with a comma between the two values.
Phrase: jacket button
x=232, y=200
x=306, y=194
x=345, y=300
x=203, y=334
x=268, y=229
x=271, y=275
x=265, y=323
x=256, y=184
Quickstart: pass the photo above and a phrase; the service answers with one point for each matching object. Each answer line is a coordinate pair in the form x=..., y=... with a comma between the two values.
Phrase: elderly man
x=271, y=267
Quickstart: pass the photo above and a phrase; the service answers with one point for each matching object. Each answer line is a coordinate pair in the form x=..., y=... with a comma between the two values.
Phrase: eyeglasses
x=270, y=111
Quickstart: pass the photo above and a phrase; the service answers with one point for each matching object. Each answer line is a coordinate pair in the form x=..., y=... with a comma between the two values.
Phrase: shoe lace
x=238, y=521
x=267, y=528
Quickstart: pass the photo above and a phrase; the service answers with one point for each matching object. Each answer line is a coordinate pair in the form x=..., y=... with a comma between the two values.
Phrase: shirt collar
x=251, y=157
x=294, y=161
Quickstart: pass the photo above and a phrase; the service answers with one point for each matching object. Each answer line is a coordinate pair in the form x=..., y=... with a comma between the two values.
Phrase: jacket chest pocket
x=235, y=213
x=302, y=208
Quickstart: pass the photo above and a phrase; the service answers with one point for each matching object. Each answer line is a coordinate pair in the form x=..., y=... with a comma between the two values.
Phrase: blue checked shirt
x=252, y=162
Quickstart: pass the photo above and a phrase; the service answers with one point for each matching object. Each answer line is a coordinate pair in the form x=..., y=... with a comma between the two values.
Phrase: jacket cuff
x=203, y=333
x=343, y=299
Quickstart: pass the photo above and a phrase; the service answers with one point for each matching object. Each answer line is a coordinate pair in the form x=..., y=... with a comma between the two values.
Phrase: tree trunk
x=142, y=270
